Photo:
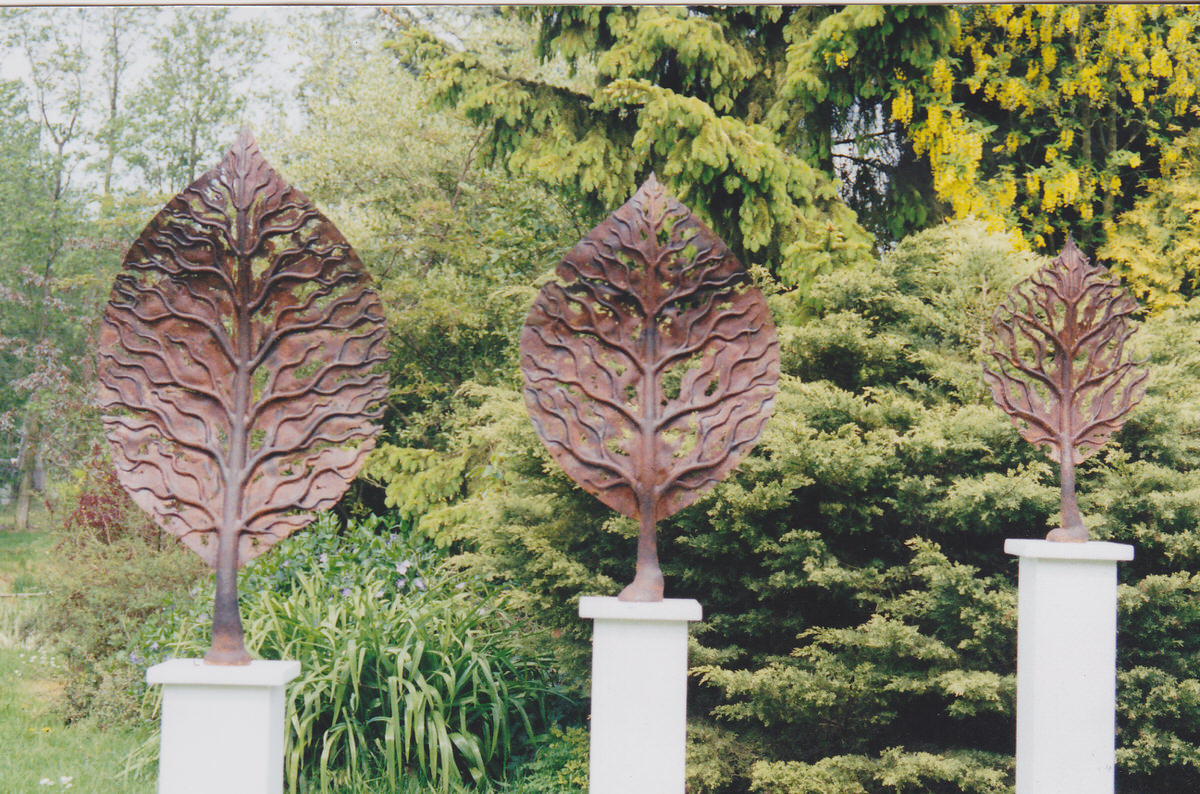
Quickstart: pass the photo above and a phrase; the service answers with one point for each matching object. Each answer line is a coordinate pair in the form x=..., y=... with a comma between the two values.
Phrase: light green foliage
x=111, y=571
x=22, y=180
x=48, y=277
x=859, y=630
x=561, y=765
x=715, y=753
x=100, y=595
x=1153, y=246
x=183, y=116
x=452, y=243
x=407, y=670
x=894, y=771
x=418, y=482
x=681, y=92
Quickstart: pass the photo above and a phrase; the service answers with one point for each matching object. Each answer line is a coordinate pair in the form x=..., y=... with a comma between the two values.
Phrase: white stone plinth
x=222, y=726
x=1066, y=665
x=639, y=694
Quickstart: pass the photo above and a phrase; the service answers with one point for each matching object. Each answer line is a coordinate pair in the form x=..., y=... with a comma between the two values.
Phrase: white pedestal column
x=222, y=726
x=639, y=694
x=1066, y=665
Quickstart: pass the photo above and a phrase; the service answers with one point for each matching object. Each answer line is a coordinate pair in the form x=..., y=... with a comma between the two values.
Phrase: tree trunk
x=25, y=466
x=1109, y=196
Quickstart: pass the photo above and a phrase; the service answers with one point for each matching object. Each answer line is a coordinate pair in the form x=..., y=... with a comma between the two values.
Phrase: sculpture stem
x=647, y=582
x=228, y=639
x=1072, y=529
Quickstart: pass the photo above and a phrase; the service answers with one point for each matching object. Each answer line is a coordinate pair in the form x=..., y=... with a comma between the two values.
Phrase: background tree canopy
x=887, y=172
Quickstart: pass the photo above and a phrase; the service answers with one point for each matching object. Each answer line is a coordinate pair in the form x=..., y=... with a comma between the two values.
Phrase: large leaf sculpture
x=1063, y=372
x=650, y=365
x=239, y=370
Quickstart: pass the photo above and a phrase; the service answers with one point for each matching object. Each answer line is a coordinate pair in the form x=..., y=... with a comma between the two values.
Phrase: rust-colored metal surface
x=239, y=370
x=650, y=365
x=1063, y=372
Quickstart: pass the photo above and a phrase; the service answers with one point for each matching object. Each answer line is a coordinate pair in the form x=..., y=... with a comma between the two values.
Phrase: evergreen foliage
x=860, y=613
x=844, y=70
x=690, y=94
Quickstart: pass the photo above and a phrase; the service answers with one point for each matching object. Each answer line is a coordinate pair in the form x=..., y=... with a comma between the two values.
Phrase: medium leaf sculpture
x=1063, y=373
x=239, y=371
x=650, y=365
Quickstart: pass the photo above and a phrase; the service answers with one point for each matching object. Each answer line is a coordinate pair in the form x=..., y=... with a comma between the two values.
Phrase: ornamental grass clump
x=407, y=671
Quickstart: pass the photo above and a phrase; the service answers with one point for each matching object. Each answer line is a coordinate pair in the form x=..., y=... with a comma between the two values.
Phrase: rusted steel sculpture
x=239, y=370
x=650, y=365
x=1062, y=369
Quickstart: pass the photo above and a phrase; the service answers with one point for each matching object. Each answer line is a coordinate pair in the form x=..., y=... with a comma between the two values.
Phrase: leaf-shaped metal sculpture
x=650, y=365
x=239, y=370
x=1063, y=373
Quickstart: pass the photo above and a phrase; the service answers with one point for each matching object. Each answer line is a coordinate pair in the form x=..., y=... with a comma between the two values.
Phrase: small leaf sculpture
x=239, y=370
x=650, y=365
x=1063, y=373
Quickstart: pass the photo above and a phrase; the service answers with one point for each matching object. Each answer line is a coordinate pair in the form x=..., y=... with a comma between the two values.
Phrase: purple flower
x=323, y=559
x=345, y=592
x=402, y=567
x=400, y=583
x=419, y=583
x=135, y=658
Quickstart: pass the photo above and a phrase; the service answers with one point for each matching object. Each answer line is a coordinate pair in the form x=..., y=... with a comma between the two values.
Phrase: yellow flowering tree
x=1049, y=118
x=1155, y=246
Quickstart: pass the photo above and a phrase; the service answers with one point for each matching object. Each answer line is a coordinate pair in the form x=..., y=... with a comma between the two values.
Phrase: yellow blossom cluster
x=1075, y=99
x=902, y=107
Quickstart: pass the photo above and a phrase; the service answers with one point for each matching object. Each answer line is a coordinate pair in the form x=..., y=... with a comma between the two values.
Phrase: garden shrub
x=101, y=508
x=859, y=609
x=110, y=572
x=407, y=670
x=561, y=764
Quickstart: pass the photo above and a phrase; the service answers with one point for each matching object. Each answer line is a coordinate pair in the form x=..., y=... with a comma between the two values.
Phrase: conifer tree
x=721, y=103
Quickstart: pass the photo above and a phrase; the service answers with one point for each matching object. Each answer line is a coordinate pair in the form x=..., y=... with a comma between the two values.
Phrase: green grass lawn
x=39, y=747
x=41, y=753
x=21, y=556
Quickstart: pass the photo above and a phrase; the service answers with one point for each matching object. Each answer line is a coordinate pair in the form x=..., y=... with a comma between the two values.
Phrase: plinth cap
x=669, y=609
x=194, y=672
x=1095, y=550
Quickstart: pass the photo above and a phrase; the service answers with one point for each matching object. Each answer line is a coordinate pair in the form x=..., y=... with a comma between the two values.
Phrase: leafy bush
x=110, y=572
x=561, y=765
x=102, y=508
x=893, y=771
x=407, y=669
x=859, y=610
